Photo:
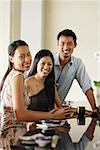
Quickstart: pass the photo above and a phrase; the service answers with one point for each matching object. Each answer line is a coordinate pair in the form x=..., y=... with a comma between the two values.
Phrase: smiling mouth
x=28, y=66
x=46, y=72
x=66, y=55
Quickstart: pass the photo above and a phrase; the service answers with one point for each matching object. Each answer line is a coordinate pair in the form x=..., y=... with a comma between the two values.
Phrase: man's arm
x=91, y=98
x=90, y=130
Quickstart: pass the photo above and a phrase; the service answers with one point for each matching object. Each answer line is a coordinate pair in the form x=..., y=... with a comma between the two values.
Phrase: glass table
x=75, y=137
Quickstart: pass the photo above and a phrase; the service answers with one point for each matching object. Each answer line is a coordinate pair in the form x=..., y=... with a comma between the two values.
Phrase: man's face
x=66, y=46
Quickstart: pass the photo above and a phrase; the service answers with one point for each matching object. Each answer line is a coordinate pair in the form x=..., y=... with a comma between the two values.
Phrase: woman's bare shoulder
x=30, y=80
x=16, y=75
x=30, y=84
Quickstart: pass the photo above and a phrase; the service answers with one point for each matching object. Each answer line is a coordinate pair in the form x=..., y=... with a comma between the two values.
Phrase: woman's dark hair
x=11, y=51
x=67, y=32
x=50, y=79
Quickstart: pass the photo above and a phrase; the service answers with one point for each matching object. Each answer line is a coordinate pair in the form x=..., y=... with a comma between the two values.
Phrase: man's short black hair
x=67, y=32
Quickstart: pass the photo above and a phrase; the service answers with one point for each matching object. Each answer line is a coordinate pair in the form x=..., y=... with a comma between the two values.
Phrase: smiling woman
x=14, y=98
x=10, y=90
x=41, y=82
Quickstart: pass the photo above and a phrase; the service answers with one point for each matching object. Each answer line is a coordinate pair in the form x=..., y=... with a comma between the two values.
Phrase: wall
x=4, y=34
x=20, y=19
x=32, y=24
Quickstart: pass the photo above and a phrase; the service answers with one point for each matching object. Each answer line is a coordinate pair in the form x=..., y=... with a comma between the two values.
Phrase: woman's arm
x=57, y=99
x=22, y=114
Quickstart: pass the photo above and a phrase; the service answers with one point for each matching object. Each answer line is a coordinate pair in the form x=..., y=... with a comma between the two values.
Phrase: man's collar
x=57, y=62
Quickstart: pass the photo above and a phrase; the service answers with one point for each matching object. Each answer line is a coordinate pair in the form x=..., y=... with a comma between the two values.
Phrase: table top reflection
x=81, y=137
x=78, y=134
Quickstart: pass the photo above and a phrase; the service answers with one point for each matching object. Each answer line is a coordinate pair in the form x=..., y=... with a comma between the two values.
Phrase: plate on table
x=30, y=137
x=29, y=142
x=44, y=124
x=43, y=141
x=40, y=139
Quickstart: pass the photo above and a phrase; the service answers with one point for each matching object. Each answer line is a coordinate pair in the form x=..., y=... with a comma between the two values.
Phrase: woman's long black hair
x=50, y=79
x=11, y=51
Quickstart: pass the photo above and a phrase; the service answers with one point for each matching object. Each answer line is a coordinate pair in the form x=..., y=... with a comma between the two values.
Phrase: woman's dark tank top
x=39, y=102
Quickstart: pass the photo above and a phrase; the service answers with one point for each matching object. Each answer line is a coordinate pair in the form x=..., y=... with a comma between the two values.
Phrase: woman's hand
x=61, y=113
x=30, y=126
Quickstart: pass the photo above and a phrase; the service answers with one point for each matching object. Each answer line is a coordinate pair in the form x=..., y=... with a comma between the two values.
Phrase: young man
x=68, y=67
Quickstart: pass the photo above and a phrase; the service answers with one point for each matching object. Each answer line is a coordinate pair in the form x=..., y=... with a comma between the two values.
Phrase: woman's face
x=44, y=66
x=21, y=59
